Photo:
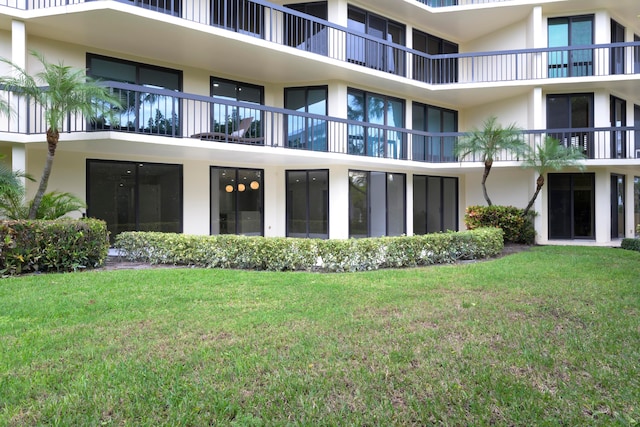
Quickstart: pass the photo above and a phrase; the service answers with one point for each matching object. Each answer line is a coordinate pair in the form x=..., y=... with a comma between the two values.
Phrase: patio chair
x=237, y=135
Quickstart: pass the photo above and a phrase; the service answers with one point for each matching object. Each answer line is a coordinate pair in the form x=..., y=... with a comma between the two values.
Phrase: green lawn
x=545, y=337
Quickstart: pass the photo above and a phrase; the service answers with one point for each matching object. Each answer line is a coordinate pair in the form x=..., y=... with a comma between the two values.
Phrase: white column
x=339, y=202
x=19, y=58
x=409, y=204
x=603, y=206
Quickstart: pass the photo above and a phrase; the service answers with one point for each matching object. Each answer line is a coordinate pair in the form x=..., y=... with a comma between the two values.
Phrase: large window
x=242, y=124
x=305, y=132
x=435, y=204
x=568, y=32
x=371, y=53
x=236, y=201
x=434, y=70
x=132, y=196
x=376, y=109
x=143, y=112
x=377, y=205
x=308, y=204
x=617, y=206
x=242, y=16
x=434, y=119
x=571, y=111
x=305, y=34
x=571, y=206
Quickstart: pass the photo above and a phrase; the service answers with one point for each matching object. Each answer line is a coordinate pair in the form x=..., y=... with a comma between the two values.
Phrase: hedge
x=517, y=227
x=60, y=245
x=282, y=254
x=631, y=244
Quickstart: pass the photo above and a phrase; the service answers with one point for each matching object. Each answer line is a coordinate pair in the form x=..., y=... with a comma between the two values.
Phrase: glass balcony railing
x=170, y=114
x=284, y=26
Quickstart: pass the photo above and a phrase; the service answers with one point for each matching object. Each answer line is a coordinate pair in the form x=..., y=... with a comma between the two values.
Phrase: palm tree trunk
x=52, y=143
x=539, y=184
x=485, y=175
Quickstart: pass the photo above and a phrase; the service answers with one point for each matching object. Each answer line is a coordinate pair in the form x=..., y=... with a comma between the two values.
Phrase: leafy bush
x=282, y=254
x=61, y=245
x=631, y=244
x=517, y=227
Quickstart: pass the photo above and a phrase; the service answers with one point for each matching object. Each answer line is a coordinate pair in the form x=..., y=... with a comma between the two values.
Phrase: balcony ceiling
x=465, y=23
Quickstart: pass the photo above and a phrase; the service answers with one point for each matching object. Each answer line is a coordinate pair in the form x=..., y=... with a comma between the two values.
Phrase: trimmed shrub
x=517, y=228
x=631, y=244
x=60, y=245
x=283, y=254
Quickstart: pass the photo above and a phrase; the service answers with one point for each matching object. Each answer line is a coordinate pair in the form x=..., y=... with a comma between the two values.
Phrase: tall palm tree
x=548, y=156
x=61, y=91
x=488, y=142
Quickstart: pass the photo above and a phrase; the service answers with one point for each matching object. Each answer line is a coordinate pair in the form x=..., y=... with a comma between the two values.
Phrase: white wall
x=508, y=187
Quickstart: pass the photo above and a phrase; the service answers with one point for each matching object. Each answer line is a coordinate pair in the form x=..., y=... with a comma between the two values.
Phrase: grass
x=545, y=337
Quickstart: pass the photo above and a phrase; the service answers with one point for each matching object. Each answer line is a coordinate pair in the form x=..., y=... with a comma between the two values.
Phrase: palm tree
x=548, y=156
x=61, y=91
x=488, y=142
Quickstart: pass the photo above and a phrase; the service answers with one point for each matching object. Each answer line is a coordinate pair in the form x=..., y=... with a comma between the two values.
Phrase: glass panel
x=395, y=118
x=419, y=141
x=450, y=204
x=618, y=119
x=434, y=205
x=636, y=55
x=223, y=201
x=355, y=111
x=296, y=135
x=358, y=204
x=396, y=211
x=319, y=204
x=297, y=203
x=448, y=146
x=419, y=204
x=583, y=214
x=617, y=53
x=581, y=34
x=560, y=206
x=228, y=120
x=249, y=202
x=617, y=206
x=375, y=136
x=112, y=70
x=160, y=193
x=111, y=195
x=434, y=124
x=355, y=44
x=377, y=204
x=317, y=128
x=558, y=37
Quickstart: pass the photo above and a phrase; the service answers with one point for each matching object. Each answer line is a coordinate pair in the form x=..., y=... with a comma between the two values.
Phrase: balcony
x=169, y=114
x=286, y=27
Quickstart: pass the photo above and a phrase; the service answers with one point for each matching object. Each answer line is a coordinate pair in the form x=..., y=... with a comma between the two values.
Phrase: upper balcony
x=286, y=29
x=169, y=114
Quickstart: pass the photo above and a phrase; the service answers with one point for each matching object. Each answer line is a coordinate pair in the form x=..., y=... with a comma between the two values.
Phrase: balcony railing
x=165, y=113
x=287, y=27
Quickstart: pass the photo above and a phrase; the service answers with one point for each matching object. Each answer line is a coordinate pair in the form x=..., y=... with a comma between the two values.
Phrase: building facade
x=334, y=119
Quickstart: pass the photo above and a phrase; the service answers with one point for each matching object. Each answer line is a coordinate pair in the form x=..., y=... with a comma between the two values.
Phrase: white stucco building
x=335, y=118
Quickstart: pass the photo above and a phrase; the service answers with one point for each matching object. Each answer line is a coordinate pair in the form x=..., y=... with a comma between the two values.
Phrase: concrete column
x=19, y=58
x=339, y=203
x=603, y=206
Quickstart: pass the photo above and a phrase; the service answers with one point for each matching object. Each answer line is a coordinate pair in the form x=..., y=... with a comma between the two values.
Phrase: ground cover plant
x=549, y=336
